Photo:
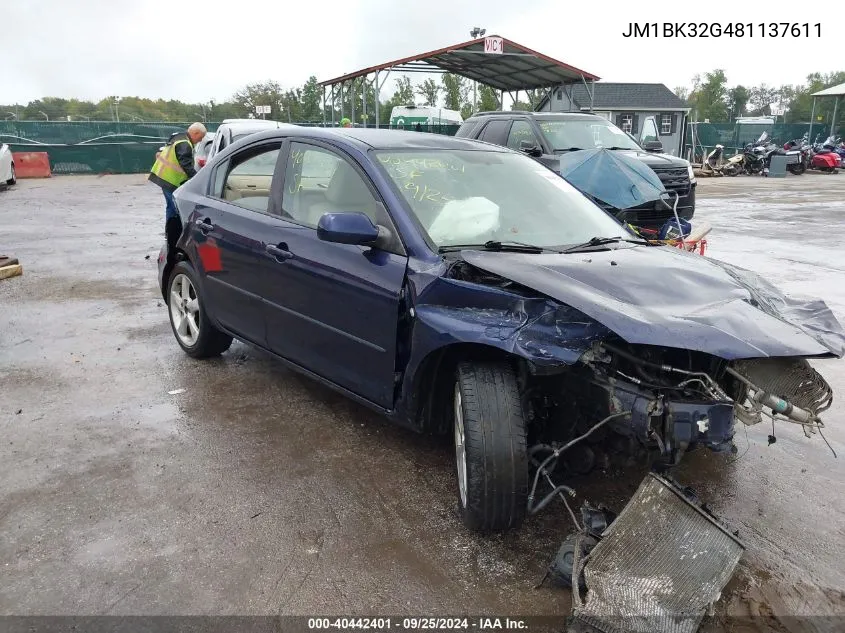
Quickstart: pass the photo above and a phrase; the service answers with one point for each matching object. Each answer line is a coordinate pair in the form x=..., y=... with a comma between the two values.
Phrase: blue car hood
x=665, y=296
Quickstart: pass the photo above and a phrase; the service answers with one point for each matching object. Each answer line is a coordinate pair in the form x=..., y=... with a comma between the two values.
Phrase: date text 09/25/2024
x=383, y=624
x=717, y=29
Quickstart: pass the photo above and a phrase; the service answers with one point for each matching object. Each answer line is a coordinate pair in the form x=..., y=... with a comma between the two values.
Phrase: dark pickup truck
x=547, y=135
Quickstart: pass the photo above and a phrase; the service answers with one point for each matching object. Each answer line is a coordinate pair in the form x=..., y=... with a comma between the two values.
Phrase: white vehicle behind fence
x=232, y=130
x=408, y=117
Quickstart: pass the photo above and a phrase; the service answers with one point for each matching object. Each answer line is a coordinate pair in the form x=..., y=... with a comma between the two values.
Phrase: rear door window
x=466, y=130
x=496, y=132
x=247, y=184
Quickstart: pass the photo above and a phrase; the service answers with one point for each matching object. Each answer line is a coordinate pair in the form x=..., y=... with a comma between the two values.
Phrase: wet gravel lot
x=256, y=491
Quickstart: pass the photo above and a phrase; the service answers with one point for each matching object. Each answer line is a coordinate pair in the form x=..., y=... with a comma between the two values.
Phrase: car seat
x=346, y=193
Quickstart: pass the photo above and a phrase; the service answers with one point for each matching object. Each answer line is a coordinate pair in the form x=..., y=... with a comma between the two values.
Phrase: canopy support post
x=352, y=101
x=589, y=91
x=833, y=118
x=812, y=118
x=364, y=98
x=324, y=106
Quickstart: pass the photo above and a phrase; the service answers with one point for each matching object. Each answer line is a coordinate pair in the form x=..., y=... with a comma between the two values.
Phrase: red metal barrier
x=31, y=164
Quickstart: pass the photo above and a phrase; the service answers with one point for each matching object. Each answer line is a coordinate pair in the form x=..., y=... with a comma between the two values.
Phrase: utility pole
x=476, y=33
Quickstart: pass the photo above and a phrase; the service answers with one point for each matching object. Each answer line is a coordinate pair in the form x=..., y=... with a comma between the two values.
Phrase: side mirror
x=653, y=146
x=348, y=228
x=530, y=148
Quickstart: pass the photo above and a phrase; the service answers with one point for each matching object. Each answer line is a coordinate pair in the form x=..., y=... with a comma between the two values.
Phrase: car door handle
x=280, y=252
x=205, y=225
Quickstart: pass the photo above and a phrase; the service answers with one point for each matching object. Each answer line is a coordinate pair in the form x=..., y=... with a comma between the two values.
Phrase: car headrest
x=347, y=187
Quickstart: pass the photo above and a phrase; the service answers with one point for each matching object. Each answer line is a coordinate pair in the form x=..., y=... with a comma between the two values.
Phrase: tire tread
x=497, y=459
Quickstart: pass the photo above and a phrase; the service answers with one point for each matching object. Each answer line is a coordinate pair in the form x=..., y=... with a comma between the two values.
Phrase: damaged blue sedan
x=462, y=288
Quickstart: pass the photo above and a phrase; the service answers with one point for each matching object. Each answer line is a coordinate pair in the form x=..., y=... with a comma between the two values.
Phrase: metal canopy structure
x=493, y=60
x=833, y=91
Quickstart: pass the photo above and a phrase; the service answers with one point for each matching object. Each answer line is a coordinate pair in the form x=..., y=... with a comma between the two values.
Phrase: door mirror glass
x=347, y=228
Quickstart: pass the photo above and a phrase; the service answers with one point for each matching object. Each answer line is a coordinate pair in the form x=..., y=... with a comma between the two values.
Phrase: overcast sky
x=196, y=51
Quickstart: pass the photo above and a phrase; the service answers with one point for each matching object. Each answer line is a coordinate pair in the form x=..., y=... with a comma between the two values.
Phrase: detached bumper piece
x=658, y=566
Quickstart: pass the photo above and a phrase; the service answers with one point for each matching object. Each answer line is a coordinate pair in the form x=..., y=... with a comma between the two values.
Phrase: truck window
x=495, y=132
x=521, y=130
x=649, y=131
x=466, y=129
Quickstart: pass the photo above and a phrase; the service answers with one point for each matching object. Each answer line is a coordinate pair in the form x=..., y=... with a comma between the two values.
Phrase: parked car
x=7, y=166
x=232, y=130
x=463, y=288
x=201, y=151
x=546, y=135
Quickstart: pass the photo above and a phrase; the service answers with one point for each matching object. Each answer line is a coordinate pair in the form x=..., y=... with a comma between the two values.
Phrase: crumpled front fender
x=447, y=312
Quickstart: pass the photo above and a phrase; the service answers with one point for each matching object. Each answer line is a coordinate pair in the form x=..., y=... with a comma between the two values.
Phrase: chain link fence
x=734, y=137
x=109, y=147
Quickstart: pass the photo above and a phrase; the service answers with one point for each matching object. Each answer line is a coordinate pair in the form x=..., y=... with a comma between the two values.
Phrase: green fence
x=735, y=137
x=73, y=132
x=79, y=147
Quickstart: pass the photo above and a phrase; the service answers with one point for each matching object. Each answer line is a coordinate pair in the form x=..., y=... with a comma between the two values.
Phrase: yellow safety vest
x=167, y=166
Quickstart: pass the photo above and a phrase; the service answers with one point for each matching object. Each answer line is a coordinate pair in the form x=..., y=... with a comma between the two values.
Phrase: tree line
x=712, y=97
x=303, y=104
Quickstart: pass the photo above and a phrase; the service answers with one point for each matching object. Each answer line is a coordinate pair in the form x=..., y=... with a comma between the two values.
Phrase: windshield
x=585, y=134
x=470, y=197
x=763, y=137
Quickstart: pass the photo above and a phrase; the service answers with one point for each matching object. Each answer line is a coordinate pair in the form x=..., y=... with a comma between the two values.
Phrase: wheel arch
x=433, y=381
x=174, y=256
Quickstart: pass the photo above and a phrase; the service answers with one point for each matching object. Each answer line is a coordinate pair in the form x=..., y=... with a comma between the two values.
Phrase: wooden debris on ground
x=9, y=267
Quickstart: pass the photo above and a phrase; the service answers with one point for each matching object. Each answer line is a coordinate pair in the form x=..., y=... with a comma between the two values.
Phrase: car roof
x=372, y=138
x=253, y=124
x=552, y=116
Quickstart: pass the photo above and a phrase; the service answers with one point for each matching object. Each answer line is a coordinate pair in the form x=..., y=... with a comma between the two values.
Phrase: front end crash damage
x=605, y=369
x=575, y=370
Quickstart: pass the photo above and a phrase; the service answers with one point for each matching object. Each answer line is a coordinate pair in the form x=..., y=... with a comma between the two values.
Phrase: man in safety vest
x=174, y=165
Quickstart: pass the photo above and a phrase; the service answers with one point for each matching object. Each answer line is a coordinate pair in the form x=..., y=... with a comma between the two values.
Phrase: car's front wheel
x=194, y=332
x=490, y=446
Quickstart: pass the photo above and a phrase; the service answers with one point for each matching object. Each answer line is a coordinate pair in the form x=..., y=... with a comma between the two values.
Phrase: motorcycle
x=823, y=158
x=836, y=145
x=772, y=149
x=735, y=165
x=713, y=162
x=802, y=147
x=731, y=167
x=754, y=156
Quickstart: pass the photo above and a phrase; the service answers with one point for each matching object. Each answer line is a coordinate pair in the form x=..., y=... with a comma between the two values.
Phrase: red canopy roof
x=517, y=67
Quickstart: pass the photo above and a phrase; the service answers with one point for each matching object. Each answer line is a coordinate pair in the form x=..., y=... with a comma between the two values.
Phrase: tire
x=796, y=169
x=490, y=447
x=13, y=180
x=195, y=334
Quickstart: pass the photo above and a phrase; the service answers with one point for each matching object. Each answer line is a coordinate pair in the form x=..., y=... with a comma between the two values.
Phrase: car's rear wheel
x=490, y=446
x=193, y=331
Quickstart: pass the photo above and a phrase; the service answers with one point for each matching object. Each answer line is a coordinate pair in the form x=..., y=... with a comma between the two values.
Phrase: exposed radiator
x=658, y=566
